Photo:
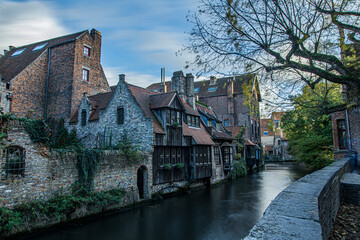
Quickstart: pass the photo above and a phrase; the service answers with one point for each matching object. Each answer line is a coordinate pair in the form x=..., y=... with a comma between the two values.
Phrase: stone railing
x=306, y=209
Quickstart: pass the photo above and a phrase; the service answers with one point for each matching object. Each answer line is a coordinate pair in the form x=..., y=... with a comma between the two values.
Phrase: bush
x=55, y=209
x=239, y=169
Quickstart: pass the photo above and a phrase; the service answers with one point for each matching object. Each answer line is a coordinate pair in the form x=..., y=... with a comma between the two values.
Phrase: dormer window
x=87, y=51
x=18, y=52
x=212, y=89
x=38, y=47
x=193, y=121
x=196, y=90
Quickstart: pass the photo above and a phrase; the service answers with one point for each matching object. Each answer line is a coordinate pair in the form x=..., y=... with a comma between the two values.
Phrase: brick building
x=273, y=137
x=48, y=78
x=236, y=103
x=346, y=131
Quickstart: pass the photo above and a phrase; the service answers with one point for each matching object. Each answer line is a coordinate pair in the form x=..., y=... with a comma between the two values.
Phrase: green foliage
x=37, y=130
x=130, y=152
x=179, y=165
x=308, y=128
x=167, y=166
x=62, y=138
x=87, y=162
x=55, y=209
x=240, y=140
x=9, y=220
x=239, y=169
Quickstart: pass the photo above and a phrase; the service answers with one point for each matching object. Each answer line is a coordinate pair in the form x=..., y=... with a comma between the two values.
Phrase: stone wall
x=306, y=209
x=137, y=127
x=50, y=173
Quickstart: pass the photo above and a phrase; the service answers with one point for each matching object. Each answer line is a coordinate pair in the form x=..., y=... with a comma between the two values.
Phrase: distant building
x=273, y=138
x=236, y=103
x=49, y=78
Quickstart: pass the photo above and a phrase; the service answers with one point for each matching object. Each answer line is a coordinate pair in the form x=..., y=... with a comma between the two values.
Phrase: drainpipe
x=47, y=83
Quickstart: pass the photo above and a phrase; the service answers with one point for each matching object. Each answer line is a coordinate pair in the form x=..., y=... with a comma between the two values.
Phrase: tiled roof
x=142, y=97
x=189, y=110
x=200, y=136
x=223, y=135
x=11, y=66
x=99, y=101
x=161, y=100
x=220, y=84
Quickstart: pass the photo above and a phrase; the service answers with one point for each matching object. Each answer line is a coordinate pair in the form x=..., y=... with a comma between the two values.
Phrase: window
x=226, y=122
x=266, y=133
x=7, y=86
x=85, y=75
x=83, y=117
x=217, y=155
x=342, y=133
x=212, y=89
x=38, y=47
x=226, y=155
x=196, y=90
x=18, y=52
x=120, y=115
x=173, y=117
x=15, y=161
x=86, y=51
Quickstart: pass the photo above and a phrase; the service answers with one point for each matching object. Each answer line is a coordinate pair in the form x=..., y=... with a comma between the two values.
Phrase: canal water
x=228, y=211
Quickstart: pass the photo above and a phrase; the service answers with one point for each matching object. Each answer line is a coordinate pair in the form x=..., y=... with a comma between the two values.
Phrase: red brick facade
x=57, y=68
x=352, y=126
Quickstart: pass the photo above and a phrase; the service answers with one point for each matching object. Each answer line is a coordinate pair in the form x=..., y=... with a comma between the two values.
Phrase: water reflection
x=226, y=212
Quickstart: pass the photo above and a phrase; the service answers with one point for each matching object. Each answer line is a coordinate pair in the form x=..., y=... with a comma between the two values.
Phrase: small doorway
x=142, y=182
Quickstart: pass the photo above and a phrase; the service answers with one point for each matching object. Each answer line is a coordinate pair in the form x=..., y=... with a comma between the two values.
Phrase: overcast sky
x=139, y=37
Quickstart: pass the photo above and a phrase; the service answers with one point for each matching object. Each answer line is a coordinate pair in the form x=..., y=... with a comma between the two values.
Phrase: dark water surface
x=225, y=212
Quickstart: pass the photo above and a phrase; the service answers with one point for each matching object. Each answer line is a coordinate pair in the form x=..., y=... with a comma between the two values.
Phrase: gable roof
x=161, y=100
x=11, y=66
x=142, y=96
x=209, y=113
x=221, y=85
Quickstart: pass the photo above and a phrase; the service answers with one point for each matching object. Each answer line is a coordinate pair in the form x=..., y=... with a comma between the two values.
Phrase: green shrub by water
x=55, y=209
x=239, y=169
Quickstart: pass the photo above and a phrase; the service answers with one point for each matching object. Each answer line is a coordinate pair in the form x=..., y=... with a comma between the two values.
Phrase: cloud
x=22, y=23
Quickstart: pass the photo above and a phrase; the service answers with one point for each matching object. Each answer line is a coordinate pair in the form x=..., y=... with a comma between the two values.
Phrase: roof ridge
x=47, y=40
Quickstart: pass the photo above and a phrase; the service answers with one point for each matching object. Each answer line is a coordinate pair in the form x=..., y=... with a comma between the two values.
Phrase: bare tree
x=315, y=40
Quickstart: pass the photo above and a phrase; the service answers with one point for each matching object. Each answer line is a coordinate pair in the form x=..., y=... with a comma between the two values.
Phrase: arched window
x=14, y=163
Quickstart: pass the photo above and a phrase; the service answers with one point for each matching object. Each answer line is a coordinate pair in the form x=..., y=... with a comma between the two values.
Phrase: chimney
x=11, y=48
x=95, y=33
x=178, y=84
x=85, y=94
x=122, y=78
x=163, y=83
x=5, y=52
x=230, y=88
x=96, y=44
x=212, y=80
x=189, y=92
